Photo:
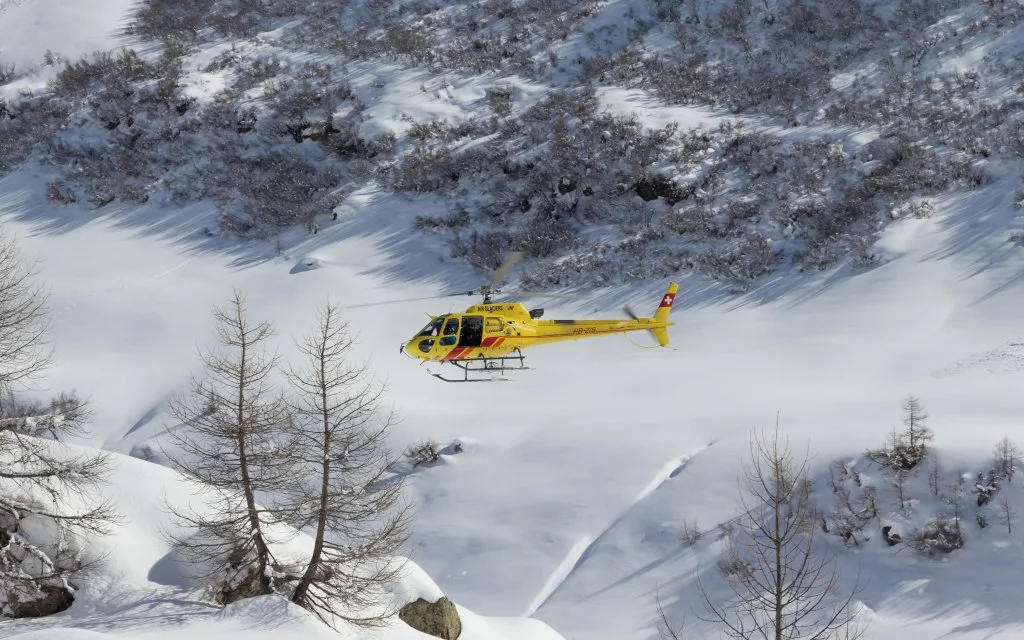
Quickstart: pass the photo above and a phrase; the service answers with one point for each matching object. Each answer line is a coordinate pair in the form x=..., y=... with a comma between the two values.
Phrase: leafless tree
x=40, y=479
x=934, y=475
x=897, y=472
x=784, y=584
x=355, y=506
x=232, y=441
x=918, y=435
x=1006, y=514
x=955, y=499
x=25, y=351
x=1005, y=456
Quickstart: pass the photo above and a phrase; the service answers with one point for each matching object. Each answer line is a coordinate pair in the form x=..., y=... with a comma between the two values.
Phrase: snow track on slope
x=581, y=550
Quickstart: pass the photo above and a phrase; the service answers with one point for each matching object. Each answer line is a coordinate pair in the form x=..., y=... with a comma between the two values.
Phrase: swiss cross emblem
x=667, y=302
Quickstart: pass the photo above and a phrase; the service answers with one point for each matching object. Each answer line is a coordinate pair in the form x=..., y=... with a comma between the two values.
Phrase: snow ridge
x=579, y=551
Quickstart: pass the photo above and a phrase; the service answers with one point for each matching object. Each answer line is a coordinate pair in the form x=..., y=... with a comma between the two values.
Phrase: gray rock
x=439, y=619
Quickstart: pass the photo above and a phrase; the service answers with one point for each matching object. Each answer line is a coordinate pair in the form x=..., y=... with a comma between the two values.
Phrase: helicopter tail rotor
x=660, y=317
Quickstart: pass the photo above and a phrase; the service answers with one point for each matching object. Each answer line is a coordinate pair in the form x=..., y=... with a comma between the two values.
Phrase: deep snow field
x=562, y=516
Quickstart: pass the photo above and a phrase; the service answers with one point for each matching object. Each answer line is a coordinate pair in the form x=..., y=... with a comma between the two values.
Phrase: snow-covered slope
x=576, y=479
x=567, y=502
x=143, y=589
x=30, y=28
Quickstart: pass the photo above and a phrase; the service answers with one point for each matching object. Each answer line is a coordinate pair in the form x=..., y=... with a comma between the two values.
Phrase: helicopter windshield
x=432, y=329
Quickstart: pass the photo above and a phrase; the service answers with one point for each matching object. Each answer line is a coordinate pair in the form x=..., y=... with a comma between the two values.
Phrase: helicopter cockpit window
x=451, y=330
x=432, y=329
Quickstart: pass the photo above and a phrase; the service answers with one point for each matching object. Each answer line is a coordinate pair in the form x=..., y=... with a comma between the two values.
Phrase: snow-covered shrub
x=1005, y=456
x=985, y=487
x=693, y=219
x=47, y=506
x=849, y=516
x=940, y=536
x=500, y=100
x=905, y=450
x=59, y=191
x=690, y=533
x=752, y=257
x=425, y=452
x=457, y=219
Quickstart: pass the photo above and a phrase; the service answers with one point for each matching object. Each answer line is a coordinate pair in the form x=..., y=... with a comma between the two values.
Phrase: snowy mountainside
x=505, y=124
x=880, y=158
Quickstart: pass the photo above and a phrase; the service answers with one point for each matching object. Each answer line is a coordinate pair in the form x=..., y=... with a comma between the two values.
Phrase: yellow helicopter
x=488, y=338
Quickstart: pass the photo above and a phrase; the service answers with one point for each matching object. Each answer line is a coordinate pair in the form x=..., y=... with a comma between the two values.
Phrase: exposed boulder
x=656, y=186
x=892, y=538
x=53, y=600
x=439, y=619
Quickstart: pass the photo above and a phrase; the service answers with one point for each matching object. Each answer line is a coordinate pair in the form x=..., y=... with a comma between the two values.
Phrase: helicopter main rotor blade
x=511, y=260
x=630, y=313
x=542, y=295
x=374, y=304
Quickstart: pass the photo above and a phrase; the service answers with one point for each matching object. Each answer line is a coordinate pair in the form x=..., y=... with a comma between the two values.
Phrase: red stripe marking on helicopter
x=489, y=342
x=452, y=354
x=456, y=353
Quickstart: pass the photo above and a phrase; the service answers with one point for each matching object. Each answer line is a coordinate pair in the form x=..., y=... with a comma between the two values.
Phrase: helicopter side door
x=472, y=333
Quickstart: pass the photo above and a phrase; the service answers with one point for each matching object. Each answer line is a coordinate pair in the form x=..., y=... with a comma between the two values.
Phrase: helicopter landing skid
x=482, y=369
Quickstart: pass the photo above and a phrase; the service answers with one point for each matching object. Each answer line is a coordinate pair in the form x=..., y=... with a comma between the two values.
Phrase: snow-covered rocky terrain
x=858, y=242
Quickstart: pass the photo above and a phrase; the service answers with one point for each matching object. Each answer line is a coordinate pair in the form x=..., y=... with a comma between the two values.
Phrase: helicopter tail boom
x=661, y=314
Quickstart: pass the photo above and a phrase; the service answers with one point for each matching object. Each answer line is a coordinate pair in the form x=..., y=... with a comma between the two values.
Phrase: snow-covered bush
x=47, y=503
x=59, y=191
x=849, y=516
x=940, y=536
x=690, y=534
x=425, y=452
x=985, y=487
x=904, y=451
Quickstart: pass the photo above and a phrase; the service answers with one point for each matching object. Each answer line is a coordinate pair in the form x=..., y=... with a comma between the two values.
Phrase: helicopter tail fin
x=661, y=314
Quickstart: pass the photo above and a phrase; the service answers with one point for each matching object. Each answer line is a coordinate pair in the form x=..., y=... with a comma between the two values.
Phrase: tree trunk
x=262, y=553
x=299, y=597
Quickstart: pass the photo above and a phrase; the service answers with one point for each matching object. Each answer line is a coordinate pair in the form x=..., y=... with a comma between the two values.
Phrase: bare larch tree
x=899, y=465
x=1006, y=514
x=1005, y=457
x=918, y=435
x=232, y=440
x=784, y=584
x=355, y=506
x=40, y=478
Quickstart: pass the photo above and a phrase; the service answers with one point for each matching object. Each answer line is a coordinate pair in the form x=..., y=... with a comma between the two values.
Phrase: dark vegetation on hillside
x=591, y=196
